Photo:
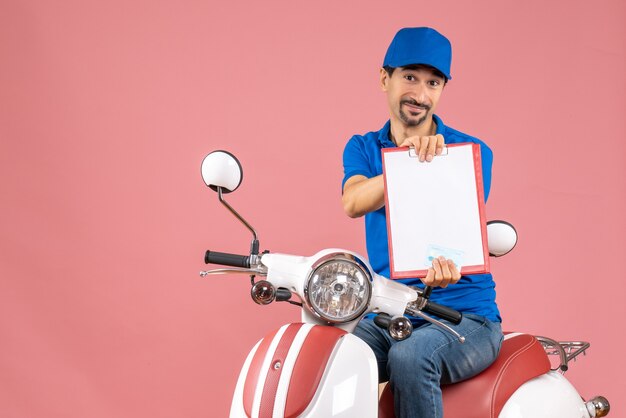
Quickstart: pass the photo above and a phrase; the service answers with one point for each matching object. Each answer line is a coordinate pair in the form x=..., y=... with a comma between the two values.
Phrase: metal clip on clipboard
x=413, y=154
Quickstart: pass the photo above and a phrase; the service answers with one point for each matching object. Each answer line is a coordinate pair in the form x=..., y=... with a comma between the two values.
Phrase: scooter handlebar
x=227, y=259
x=382, y=320
x=443, y=312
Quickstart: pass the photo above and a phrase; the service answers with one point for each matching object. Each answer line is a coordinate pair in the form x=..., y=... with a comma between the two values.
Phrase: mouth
x=415, y=109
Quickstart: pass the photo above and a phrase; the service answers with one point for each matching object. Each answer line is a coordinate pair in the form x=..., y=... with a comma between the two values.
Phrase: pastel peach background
x=108, y=107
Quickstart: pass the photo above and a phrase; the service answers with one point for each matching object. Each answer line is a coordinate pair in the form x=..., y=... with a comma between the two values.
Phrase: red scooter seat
x=521, y=358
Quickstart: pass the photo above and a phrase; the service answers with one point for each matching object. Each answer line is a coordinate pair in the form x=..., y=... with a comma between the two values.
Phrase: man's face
x=412, y=93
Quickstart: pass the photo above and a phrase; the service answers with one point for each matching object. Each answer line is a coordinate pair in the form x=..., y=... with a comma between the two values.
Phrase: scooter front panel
x=349, y=385
x=267, y=367
x=308, y=370
x=278, y=368
x=237, y=409
x=257, y=371
x=282, y=374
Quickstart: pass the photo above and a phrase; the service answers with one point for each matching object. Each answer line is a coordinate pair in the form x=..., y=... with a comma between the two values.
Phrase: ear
x=384, y=79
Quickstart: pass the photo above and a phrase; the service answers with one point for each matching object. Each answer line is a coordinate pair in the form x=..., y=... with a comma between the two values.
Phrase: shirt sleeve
x=355, y=160
x=486, y=156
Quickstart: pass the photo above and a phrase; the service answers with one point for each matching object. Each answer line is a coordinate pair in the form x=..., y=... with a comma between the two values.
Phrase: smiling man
x=415, y=71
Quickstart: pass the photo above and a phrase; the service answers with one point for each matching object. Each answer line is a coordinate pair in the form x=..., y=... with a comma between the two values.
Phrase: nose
x=419, y=93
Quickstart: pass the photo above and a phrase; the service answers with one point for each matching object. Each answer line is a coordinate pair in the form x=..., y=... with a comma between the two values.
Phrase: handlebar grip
x=443, y=312
x=382, y=320
x=227, y=259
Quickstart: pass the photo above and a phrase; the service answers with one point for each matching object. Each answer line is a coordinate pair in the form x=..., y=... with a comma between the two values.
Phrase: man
x=415, y=71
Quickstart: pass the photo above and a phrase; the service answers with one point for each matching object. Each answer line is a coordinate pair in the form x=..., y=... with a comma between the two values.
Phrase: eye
x=409, y=77
x=434, y=83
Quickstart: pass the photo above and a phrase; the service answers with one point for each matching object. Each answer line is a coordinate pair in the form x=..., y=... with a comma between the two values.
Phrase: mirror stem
x=254, y=247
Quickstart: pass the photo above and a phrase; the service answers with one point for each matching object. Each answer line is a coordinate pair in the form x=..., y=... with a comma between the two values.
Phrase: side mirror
x=502, y=238
x=222, y=169
x=222, y=172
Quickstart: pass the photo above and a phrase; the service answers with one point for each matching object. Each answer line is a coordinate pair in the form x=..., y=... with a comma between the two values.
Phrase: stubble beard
x=414, y=122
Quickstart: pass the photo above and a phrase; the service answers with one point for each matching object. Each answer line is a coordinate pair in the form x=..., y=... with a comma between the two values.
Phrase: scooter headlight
x=339, y=287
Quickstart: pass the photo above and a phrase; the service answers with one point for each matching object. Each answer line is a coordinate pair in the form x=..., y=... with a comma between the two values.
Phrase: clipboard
x=435, y=208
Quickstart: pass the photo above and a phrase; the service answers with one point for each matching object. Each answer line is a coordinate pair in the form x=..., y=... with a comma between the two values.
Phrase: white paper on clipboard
x=435, y=208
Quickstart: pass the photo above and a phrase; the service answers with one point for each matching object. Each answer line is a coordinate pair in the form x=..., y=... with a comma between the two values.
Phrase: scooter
x=317, y=368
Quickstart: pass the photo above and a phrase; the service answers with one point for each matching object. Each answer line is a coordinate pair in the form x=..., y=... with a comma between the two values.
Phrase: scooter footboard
x=304, y=370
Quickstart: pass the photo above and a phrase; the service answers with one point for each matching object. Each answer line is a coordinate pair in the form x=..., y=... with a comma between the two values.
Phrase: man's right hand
x=362, y=195
x=425, y=146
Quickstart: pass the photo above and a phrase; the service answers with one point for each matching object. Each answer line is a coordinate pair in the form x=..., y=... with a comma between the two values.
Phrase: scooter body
x=317, y=369
x=305, y=370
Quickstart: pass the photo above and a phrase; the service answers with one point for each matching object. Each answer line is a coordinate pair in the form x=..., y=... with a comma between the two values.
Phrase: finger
x=438, y=274
x=410, y=142
x=430, y=277
x=445, y=269
x=440, y=144
x=446, y=276
x=423, y=146
x=437, y=267
x=432, y=145
x=456, y=274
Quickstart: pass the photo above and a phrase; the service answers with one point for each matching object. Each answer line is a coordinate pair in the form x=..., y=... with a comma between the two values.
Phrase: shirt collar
x=385, y=141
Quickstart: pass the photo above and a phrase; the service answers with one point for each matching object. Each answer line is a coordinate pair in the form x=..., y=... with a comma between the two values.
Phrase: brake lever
x=439, y=323
x=414, y=309
x=234, y=270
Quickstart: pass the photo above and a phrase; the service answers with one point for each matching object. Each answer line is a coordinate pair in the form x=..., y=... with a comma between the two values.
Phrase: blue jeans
x=430, y=357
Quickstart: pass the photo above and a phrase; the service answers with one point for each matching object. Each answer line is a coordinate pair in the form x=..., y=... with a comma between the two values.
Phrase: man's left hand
x=442, y=273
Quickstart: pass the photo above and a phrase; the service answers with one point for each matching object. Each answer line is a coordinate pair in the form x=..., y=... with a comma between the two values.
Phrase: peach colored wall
x=108, y=107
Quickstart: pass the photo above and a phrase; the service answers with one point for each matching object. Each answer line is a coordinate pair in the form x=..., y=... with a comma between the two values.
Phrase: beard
x=410, y=121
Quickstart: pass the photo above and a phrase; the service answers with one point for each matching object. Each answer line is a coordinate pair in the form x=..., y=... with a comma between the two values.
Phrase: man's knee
x=406, y=358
